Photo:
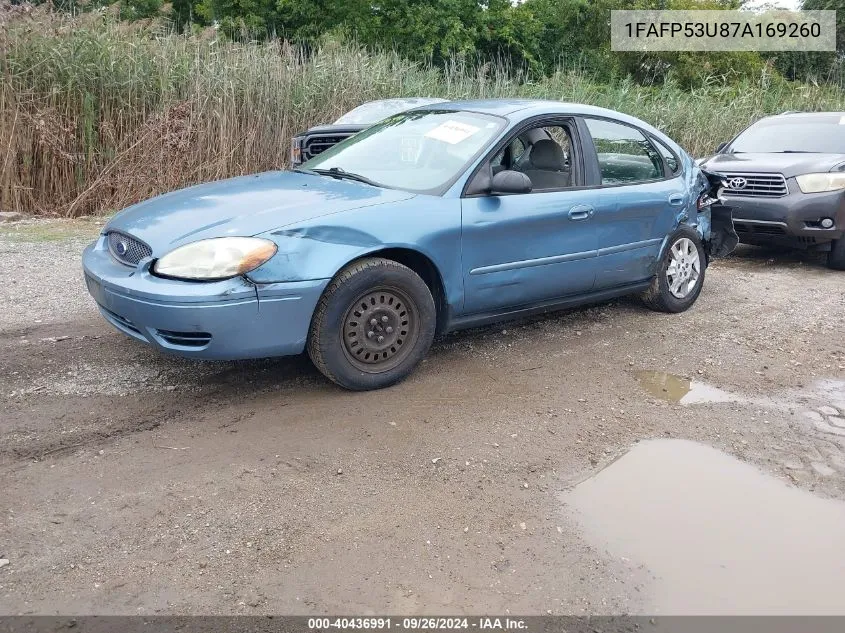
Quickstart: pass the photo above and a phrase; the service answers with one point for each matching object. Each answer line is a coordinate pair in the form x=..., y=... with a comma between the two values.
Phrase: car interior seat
x=546, y=166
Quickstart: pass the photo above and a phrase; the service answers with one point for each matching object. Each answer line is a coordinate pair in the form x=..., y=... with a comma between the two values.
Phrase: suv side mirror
x=720, y=147
x=510, y=181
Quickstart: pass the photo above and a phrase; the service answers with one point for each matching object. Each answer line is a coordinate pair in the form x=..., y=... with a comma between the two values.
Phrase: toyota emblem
x=121, y=247
x=737, y=183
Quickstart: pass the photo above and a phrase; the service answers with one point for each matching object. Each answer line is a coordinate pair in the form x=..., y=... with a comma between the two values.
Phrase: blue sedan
x=447, y=216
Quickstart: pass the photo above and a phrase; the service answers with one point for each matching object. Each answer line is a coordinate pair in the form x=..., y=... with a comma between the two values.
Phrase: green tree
x=819, y=66
x=433, y=29
x=255, y=17
x=510, y=33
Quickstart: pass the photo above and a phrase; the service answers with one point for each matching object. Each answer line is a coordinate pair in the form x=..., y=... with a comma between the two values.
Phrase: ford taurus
x=443, y=217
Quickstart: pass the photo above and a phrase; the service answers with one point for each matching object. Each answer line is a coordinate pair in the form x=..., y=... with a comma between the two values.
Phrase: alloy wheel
x=684, y=269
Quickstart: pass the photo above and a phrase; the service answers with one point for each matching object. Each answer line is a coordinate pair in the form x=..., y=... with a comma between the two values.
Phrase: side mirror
x=510, y=181
x=720, y=147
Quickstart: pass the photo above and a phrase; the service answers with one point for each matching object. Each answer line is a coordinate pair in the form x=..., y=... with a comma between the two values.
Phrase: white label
x=452, y=132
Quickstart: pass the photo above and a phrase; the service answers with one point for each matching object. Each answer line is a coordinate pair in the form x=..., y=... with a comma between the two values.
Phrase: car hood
x=336, y=128
x=243, y=206
x=789, y=165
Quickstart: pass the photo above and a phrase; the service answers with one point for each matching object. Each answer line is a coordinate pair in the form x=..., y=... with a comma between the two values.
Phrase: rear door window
x=624, y=154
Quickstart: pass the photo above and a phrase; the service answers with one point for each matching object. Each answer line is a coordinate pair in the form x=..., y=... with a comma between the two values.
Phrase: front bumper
x=792, y=219
x=222, y=320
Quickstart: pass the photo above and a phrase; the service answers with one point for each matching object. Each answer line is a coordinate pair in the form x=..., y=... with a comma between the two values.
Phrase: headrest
x=546, y=154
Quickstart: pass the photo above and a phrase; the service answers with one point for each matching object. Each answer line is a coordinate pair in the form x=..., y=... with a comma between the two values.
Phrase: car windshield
x=375, y=111
x=815, y=134
x=421, y=151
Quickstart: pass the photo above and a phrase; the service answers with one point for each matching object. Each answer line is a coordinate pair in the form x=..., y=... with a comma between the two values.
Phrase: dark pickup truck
x=321, y=137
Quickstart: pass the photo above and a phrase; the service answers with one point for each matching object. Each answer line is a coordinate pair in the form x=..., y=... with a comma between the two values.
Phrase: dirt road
x=136, y=483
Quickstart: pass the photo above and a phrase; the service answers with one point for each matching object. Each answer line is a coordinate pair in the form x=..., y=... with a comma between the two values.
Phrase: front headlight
x=816, y=183
x=216, y=258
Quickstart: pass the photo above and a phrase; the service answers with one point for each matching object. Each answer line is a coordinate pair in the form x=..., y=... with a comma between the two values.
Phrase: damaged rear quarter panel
x=713, y=221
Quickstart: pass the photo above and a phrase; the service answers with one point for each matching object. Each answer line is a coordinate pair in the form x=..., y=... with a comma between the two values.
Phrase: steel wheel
x=684, y=268
x=380, y=329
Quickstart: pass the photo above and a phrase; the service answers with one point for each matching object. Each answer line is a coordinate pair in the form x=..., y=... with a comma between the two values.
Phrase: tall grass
x=96, y=114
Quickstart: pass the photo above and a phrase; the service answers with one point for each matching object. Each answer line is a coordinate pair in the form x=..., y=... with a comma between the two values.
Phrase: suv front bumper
x=792, y=219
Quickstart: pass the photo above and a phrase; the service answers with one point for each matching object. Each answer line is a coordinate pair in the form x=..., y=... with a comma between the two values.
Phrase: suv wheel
x=680, y=274
x=373, y=325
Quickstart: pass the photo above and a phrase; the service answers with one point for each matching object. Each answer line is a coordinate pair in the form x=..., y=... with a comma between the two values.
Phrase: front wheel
x=680, y=274
x=373, y=325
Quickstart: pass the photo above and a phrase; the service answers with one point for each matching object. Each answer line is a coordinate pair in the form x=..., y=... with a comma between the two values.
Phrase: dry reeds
x=96, y=114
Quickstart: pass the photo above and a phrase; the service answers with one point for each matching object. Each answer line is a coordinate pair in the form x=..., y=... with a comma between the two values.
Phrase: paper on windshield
x=452, y=132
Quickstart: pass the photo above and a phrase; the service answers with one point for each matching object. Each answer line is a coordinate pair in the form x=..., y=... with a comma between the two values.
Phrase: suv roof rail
x=792, y=112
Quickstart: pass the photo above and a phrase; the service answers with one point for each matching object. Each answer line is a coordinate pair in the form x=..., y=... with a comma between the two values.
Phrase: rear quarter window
x=669, y=157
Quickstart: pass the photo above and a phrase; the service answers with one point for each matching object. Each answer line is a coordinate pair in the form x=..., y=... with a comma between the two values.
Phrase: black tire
x=836, y=256
x=373, y=325
x=659, y=296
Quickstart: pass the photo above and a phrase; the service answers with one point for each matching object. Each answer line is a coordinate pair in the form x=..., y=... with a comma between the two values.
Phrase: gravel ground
x=137, y=483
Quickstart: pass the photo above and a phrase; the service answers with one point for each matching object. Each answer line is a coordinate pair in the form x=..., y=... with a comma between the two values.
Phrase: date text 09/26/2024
x=417, y=623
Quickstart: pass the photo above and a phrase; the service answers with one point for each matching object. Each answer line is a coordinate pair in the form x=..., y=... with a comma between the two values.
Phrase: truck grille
x=319, y=143
x=126, y=249
x=756, y=185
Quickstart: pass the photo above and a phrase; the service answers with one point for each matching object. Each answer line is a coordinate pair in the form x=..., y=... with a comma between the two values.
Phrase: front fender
x=428, y=225
x=313, y=252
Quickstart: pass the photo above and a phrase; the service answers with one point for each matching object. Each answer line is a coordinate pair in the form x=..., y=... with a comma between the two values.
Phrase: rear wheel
x=374, y=323
x=836, y=256
x=680, y=274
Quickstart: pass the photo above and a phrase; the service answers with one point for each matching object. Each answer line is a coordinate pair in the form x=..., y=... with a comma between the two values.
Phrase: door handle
x=676, y=199
x=581, y=212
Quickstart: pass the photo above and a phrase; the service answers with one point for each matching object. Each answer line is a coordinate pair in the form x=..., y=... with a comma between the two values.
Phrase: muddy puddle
x=715, y=535
x=680, y=390
x=822, y=403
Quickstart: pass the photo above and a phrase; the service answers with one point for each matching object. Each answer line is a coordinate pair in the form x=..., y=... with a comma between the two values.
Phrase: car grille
x=318, y=143
x=757, y=185
x=126, y=249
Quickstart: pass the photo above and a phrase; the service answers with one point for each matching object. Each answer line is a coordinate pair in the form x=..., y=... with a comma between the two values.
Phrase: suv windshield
x=421, y=151
x=815, y=133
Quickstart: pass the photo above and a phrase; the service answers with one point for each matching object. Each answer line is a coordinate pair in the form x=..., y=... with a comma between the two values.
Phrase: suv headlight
x=217, y=258
x=816, y=183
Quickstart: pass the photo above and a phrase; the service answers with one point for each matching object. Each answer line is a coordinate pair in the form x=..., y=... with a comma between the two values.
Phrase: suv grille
x=756, y=185
x=126, y=249
x=317, y=144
